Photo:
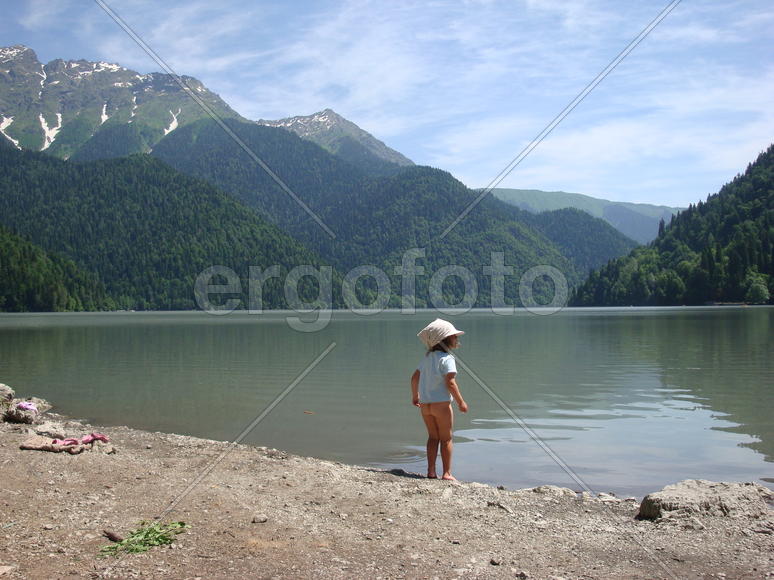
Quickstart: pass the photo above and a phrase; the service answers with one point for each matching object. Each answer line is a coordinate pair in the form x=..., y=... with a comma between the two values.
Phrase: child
x=433, y=386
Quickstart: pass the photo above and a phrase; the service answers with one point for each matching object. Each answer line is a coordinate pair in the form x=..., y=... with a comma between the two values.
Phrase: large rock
x=699, y=496
x=15, y=415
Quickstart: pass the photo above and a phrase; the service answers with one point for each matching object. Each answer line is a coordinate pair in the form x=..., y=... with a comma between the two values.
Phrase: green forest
x=34, y=280
x=717, y=251
x=144, y=230
x=134, y=232
x=376, y=218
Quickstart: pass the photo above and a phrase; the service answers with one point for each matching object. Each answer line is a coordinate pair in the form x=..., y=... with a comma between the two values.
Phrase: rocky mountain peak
x=16, y=52
x=341, y=137
x=60, y=106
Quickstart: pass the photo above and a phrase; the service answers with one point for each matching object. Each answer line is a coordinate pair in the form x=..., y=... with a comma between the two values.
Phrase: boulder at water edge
x=702, y=497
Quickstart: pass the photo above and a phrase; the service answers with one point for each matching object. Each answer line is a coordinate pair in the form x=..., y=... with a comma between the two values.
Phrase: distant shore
x=258, y=512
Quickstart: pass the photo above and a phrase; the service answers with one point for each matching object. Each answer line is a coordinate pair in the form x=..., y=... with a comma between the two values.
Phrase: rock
x=6, y=569
x=260, y=519
x=112, y=536
x=14, y=415
x=699, y=496
x=52, y=430
x=554, y=491
x=48, y=527
x=494, y=562
x=607, y=498
x=6, y=393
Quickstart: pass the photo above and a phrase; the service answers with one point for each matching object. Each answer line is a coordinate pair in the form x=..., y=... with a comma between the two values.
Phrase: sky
x=465, y=85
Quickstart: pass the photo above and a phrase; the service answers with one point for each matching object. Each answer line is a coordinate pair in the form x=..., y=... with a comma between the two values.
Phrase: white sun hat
x=436, y=331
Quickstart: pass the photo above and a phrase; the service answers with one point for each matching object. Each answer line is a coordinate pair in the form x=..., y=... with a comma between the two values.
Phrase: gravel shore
x=261, y=513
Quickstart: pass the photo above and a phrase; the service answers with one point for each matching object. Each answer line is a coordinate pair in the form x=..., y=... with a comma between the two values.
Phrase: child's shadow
x=398, y=472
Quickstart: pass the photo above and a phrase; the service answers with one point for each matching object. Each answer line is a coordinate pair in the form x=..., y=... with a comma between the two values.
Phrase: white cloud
x=42, y=14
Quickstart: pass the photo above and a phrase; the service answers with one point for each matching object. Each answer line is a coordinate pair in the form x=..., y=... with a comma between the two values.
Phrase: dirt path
x=260, y=513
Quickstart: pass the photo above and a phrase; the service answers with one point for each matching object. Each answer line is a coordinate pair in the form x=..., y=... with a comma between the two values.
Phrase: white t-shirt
x=433, y=369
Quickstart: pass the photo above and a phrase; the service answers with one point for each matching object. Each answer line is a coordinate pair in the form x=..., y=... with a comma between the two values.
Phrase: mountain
x=87, y=110
x=344, y=139
x=638, y=221
x=144, y=229
x=374, y=219
x=376, y=203
x=589, y=242
x=84, y=110
x=721, y=250
x=33, y=280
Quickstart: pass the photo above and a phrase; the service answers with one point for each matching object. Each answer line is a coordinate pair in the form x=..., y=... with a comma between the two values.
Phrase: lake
x=631, y=399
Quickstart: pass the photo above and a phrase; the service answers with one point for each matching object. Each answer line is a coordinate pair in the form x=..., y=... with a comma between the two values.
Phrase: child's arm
x=415, y=388
x=451, y=384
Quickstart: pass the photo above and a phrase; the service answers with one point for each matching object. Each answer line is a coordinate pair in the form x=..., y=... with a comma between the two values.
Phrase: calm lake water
x=631, y=399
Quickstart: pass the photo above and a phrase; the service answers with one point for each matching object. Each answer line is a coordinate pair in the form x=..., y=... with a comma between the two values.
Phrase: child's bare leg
x=444, y=418
x=432, y=454
x=432, y=439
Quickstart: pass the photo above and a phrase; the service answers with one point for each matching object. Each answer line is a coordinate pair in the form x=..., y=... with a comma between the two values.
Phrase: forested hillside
x=374, y=220
x=146, y=230
x=721, y=250
x=587, y=241
x=638, y=221
x=33, y=280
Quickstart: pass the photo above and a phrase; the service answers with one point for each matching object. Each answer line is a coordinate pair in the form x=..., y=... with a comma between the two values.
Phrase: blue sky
x=465, y=85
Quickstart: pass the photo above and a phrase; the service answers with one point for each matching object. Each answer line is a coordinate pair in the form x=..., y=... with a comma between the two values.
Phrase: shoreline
x=259, y=512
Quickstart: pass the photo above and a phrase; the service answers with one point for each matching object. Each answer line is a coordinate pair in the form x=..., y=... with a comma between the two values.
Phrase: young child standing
x=433, y=387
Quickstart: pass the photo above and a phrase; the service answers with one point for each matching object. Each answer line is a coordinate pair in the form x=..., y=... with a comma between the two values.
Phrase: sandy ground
x=261, y=513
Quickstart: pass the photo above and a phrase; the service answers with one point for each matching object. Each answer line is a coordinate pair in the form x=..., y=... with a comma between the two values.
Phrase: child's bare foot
x=432, y=475
x=448, y=477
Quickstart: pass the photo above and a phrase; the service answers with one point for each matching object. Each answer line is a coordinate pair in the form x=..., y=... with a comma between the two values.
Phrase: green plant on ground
x=146, y=536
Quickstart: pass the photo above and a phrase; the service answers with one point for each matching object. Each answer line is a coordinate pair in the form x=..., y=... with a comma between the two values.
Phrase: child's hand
x=463, y=406
x=415, y=401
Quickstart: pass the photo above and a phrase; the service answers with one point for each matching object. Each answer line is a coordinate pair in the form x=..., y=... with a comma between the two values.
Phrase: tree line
x=719, y=250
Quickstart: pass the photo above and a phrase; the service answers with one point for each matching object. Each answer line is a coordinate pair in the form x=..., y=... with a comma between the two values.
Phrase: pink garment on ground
x=85, y=440
x=27, y=406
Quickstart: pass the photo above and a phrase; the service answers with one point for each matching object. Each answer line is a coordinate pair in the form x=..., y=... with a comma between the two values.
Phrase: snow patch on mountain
x=89, y=68
x=11, y=52
x=5, y=122
x=332, y=131
x=102, y=66
x=134, y=106
x=173, y=124
x=43, y=74
x=104, y=116
x=306, y=125
x=49, y=134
